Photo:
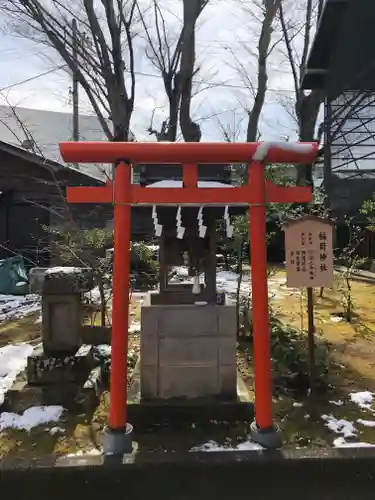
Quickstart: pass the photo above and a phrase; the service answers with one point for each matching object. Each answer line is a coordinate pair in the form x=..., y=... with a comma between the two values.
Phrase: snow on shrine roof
x=178, y=184
x=169, y=183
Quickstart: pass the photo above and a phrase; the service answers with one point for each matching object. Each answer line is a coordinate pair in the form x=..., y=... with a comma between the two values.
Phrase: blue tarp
x=13, y=277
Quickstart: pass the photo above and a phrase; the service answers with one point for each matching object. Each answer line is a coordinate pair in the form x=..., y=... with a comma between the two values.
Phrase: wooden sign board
x=309, y=252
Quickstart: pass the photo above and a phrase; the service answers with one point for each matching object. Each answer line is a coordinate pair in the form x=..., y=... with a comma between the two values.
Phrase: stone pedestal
x=45, y=369
x=62, y=313
x=61, y=320
x=188, y=351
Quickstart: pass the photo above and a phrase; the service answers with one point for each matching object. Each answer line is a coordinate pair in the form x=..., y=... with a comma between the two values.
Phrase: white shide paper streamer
x=179, y=227
x=228, y=225
x=201, y=227
x=158, y=227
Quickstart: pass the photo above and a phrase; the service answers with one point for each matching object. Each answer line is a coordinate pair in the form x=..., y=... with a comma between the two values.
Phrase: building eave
x=326, y=36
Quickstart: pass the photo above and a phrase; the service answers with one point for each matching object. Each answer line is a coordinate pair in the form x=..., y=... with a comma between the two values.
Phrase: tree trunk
x=103, y=304
x=271, y=8
x=190, y=130
x=307, y=109
x=173, y=116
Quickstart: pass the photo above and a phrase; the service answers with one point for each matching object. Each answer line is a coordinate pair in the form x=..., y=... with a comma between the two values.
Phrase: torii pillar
x=123, y=194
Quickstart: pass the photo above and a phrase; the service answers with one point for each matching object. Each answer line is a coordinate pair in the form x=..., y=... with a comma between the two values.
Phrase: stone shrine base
x=188, y=352
x=174, y=412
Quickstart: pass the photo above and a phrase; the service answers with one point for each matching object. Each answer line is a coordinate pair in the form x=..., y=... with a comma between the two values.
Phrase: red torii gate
x=122, y=193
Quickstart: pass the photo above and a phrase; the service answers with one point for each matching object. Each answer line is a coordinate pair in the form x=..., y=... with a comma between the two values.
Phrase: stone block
x=149, y=382
x=61, y=322
x=227, y=321
x=149, y=350
x=88, y=396
x=187, y=351
x=188, y=321
x=65, y=280
x=45, y=369
x=36, y=279
x=187, y=382
x=23, y=396
x=227, y=350
x=227, y=381
x=150, y=320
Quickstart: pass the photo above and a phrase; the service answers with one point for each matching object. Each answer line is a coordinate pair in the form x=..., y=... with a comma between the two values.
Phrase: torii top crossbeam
x=189, y=155
x=187, y=152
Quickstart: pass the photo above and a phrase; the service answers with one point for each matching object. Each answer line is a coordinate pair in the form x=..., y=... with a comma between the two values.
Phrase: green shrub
x=289, y=353
x=143, y=266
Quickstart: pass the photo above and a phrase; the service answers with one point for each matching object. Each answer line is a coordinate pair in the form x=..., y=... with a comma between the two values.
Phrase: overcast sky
x=223, y=29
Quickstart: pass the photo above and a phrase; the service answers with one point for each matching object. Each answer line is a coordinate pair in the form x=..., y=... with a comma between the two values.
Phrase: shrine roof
x=341, y=55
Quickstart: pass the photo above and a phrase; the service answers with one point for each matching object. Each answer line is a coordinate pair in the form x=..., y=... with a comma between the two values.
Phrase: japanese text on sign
x=309, y=253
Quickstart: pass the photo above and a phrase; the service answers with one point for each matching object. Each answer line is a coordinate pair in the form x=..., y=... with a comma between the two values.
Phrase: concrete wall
x=212, y=476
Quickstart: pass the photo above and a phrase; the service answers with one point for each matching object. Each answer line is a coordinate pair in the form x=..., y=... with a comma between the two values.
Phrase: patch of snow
x=182, y=272
x=56, y=430
x=341, y=443
x=336, y=319
x=340, y=426
x=152, y=248
x=178, y=184
x=248, y=446
x=94, y=295
x=226, y=282
x=38, y=320
x=63, y=270
x=104, y=350
x=297, y=405
x=366, y=423
x=82, y=453
x=362, y=399
x=134, y=327
x=14, y=307
x=13, y=360
x=214, y=446
x=264, y=147
x=32, y=417
x=337, y=403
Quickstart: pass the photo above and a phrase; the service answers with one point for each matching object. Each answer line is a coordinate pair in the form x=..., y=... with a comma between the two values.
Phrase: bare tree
x=307, y=104
x=261, y=13
x=270, y=8
x=191, y=11
x=230, y=129
x=164, y=52
x=173, y=55
x=104, y=52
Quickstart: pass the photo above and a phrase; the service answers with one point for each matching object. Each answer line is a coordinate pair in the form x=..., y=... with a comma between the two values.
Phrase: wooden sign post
x=309, y=264
x=309, y=252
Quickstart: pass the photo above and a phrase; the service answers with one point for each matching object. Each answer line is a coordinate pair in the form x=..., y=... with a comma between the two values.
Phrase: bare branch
x=105, y=43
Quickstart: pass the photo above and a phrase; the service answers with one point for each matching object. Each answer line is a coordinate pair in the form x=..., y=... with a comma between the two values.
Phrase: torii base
x=118, y=441
x=271, y=439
